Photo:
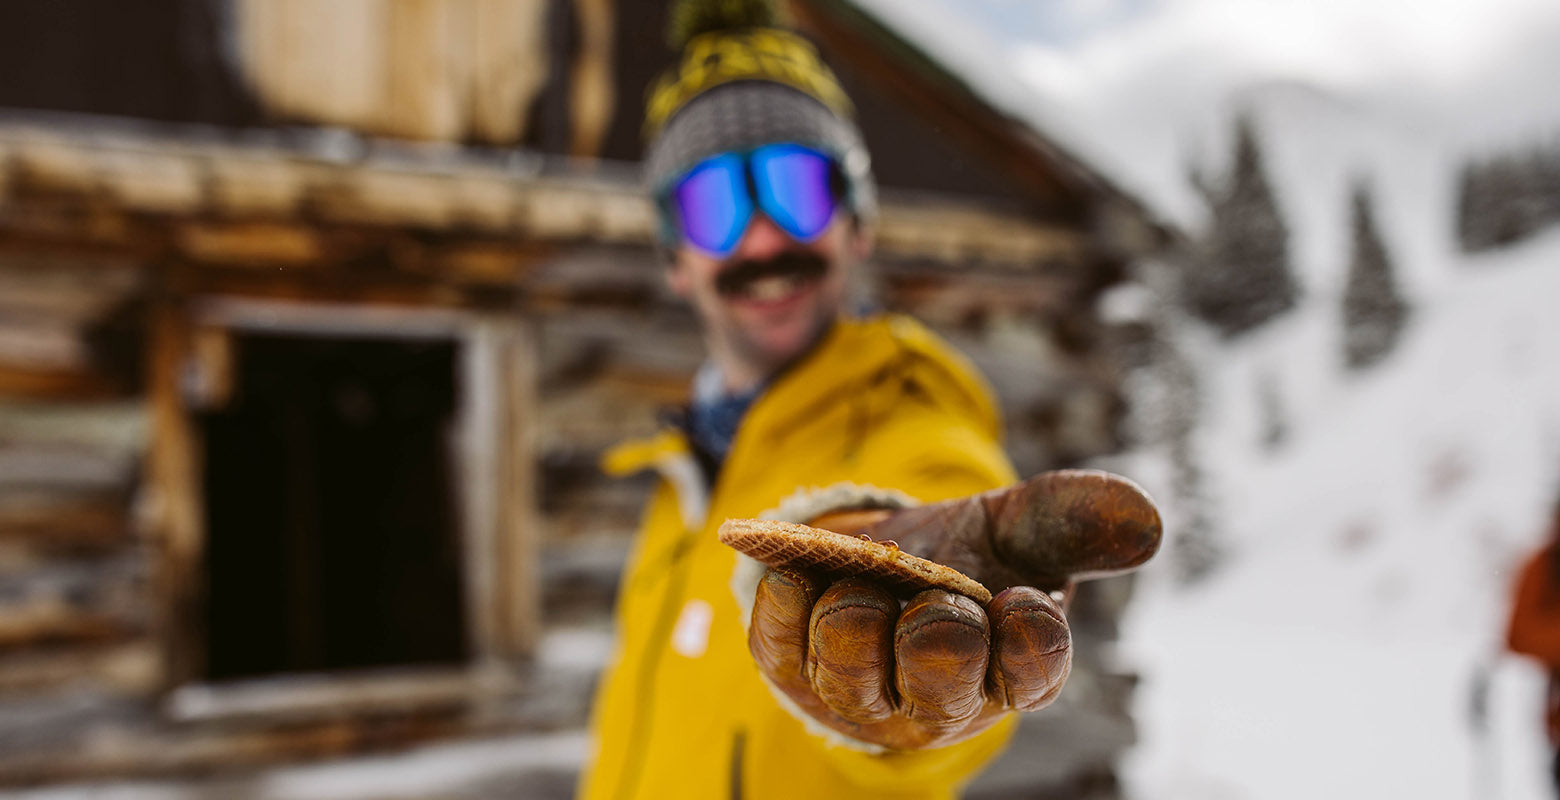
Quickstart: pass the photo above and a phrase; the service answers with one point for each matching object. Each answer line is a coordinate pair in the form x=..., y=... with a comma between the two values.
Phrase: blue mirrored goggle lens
x=795, y=189
x=713, y=203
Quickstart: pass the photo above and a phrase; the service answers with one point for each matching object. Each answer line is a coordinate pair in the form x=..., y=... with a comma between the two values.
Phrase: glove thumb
x=1053, y=529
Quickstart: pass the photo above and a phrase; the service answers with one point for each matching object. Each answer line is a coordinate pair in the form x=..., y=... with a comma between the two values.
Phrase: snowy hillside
x=1367, y=555
x=1333, y=652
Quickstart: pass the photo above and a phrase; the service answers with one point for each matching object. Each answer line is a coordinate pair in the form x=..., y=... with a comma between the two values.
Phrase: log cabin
x=316, y=317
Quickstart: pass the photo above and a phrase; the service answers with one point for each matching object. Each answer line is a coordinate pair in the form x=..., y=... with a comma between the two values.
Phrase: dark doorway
x=332, y=536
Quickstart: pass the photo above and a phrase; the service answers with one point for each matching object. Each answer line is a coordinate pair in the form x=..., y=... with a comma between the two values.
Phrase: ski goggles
x=796, y=187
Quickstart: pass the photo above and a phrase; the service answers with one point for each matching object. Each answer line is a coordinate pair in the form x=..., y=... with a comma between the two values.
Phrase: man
x=803, y=414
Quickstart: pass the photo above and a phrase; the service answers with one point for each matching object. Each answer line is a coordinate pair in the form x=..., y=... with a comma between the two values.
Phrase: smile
x=773, y=279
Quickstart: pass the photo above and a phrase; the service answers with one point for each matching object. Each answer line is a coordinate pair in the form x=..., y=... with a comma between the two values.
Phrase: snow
x=1369, y=559
x=456, y=770
x=1337, y=649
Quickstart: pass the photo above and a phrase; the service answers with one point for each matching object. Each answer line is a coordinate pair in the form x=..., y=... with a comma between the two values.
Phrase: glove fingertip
x=1031, y=650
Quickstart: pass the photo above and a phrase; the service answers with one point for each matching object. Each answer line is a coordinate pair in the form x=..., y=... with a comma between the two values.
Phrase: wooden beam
x=426, y=61
x=503, y=545
x=212, y=368
x=251, y=244
x=386, y=290
x=509, y=66
x=51, y=622
x=292, y=699
x=177, y=529
x=131, y=668
x=592, y=97
x=313, y=61
x=480, y=423
x=72, y=191
x=520, y=540
x=27, y=383
x=55, y=522
x=210, y=729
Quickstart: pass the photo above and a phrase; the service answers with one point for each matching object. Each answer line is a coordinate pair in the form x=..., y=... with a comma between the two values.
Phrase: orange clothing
x=1534, y=627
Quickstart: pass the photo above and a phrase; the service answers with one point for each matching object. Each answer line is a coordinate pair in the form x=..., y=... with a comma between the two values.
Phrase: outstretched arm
x=938, y=668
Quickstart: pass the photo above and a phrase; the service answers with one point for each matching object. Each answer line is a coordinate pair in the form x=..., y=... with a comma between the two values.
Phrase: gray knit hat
x=736, y=88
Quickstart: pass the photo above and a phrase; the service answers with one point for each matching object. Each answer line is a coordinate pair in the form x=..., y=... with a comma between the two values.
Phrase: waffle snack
x=835, y=556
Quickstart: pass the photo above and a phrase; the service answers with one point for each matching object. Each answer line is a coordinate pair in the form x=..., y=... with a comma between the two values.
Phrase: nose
x=762, y=239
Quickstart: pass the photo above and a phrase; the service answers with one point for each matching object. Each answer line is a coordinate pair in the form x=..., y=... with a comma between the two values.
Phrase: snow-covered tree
x=1240, y=276
x=1507, y=198
x=1374, y=311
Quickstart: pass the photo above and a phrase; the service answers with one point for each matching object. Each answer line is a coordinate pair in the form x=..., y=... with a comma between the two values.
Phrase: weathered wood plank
x=68, y=385
x=56, y=522
x=387, y=290
x=289, y=699
x=62, y=287
x=72, y=600
x=427, y=63
x=257, y=185
x=176, y=519
x=509, y=66
x=260, y=245
x=131, y=668
x=943, y=299
x=85, y=191
x=65, y=466
x=313, y=61
x=43, y=344
x=159, y=183
x=519, y=590
x=480, y=458
x=129, y=751
x=119, y=427
x=316, y=717
x=592, y=96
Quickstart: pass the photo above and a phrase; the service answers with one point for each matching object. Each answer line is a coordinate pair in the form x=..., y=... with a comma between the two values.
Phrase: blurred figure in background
x=1534, y=628
x=767, y=203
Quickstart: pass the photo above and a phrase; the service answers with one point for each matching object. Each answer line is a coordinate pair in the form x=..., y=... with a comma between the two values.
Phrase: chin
x=781, y=346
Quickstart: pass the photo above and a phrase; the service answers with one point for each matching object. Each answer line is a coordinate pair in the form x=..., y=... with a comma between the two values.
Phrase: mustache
x=736, y=277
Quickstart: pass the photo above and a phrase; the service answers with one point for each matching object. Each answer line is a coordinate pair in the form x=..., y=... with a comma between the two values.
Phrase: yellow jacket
x=683, y=713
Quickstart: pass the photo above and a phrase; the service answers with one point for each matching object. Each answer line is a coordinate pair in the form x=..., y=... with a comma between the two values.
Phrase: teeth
x=771, y=288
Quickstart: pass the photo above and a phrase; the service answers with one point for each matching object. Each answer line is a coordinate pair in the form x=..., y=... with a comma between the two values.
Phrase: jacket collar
x=853, y=355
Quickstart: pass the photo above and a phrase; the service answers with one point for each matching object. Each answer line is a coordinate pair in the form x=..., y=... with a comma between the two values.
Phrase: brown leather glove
x=940, y=668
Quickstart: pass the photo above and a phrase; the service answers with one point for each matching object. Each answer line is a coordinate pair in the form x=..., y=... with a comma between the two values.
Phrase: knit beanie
x=742, y=82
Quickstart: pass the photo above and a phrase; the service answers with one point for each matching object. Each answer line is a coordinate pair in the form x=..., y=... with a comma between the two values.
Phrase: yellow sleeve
x=933, y=455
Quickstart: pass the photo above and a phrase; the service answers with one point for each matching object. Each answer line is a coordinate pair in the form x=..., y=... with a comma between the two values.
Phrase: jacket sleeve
x=888, y=773
x=1534, y=627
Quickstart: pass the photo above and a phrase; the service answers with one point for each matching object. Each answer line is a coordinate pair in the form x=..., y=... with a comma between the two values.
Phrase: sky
x=1137, y=88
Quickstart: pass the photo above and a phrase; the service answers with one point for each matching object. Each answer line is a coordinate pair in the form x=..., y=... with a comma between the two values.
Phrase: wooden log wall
x=76, y=616
x=90, y=231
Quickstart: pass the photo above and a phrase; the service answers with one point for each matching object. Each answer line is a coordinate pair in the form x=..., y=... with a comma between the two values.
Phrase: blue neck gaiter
x=714, y=415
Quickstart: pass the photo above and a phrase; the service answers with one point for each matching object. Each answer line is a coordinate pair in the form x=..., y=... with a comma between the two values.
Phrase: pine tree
x=1374, y=311
x=1242, y=277
x=1271, y=415
x=1507, y=198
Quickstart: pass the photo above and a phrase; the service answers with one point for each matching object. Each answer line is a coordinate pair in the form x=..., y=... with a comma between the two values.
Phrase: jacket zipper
x=738, y=746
